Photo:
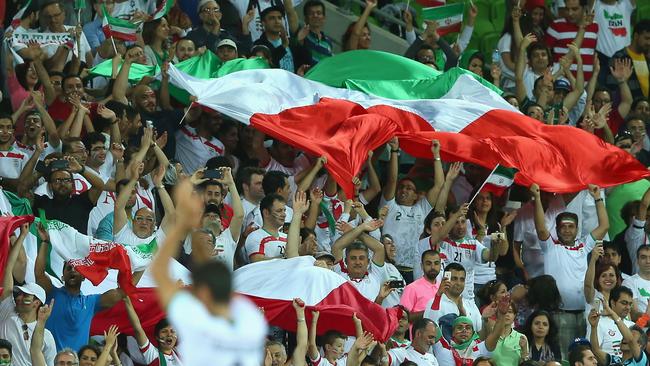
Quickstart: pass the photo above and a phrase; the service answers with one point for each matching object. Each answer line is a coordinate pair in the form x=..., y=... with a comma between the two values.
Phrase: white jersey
x=467, y=252
x=640, y=289
x=446, y=358
x=126, y=9
x=12, y=162
x=151, y=356
x=322, y=361
x=614, y=28
x=262, y=242
x=29, y=150
x=568, y=264
x=609, y=337
x=371, y=282
x=398, y=355
x=145, y=247
x=193, y=150
x=237, y=341
x=436, y=309
x=404, y=224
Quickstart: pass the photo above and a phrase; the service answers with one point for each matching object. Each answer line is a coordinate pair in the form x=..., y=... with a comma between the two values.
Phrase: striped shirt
x=319, y=48
x=560, y=33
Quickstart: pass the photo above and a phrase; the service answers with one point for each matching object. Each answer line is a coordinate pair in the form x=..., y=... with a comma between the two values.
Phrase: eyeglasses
x=25, y=333
x=143, y=218
x=62, y=180
x=211, y=10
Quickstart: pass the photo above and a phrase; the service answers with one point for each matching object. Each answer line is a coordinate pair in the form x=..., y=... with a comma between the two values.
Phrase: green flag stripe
x=442, y=12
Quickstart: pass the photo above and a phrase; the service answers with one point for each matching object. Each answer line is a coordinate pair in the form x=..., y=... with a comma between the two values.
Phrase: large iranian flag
x=473, y=123
x=449, y=17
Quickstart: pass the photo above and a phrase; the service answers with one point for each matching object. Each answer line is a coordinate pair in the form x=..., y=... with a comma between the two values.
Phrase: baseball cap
x=32, y=288
x=227, y=42
x=270, y=9
x=579, y=342
x=202, y=3
x=319, y=255
x=562, y=84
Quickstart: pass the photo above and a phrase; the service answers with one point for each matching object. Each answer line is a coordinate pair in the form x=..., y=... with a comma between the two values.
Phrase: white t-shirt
x=322, y=361
x=11, y=329
x=398, y=355
x=568, y=264
x=467, y=252
x=446, y=358
x=614, y=28
x=151, y=356
x=437, y=309
x=29, y=150
x=12, y=162
x=609, y=337
x=508, y=75
x=395, y=296
x=370, y=284
x=211, y=340
x=635, y=237
x=483, y=272
x=127, y=237
x=126, y=9
x=640, y=289
x=405, y=224
x=262, y=242
x=193, y=150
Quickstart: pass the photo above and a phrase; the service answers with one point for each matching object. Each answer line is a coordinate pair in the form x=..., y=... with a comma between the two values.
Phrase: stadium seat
x=498, y=14
x=481, y=28
x=483, y=9
x=642, y=12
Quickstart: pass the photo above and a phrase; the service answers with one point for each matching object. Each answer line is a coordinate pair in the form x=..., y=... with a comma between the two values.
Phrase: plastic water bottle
x=496, y=58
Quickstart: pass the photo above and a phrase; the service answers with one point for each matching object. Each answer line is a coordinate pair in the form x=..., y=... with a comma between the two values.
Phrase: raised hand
x=534, y=189
x=300, y=203
x=45, y=311
x=435, y=148
x=622, y=69
x=303, y=33
x=372, y=225
x=158, y=175
x=454, y=171
x=394, y=143
x=594, y=191
x=528, y=39
x=189, y=206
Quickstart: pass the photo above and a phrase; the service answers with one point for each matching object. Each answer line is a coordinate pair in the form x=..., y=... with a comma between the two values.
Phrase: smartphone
x=447, y=275
x=213, y=174
x=59, y=165
x=396, y=284
x=596, y=305
x=496, y=236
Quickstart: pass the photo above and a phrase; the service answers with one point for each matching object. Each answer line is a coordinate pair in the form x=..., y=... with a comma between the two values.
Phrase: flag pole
x=482, y=185
x=113, y=42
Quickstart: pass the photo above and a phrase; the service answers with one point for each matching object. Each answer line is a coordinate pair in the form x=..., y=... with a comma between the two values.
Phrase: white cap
x=227, y=42
x=32, y=288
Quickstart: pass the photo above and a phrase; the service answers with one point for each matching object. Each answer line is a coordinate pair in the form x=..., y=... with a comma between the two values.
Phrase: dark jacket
x=299, y=53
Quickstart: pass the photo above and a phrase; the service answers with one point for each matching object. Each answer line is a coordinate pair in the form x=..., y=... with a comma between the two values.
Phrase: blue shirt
x=94, y=33
x=615, y=360
x=71, y=317
x=105, y=227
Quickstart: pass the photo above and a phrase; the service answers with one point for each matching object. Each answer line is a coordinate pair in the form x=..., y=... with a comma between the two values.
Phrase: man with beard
x=165, y=336
x=15, y=165
x=213, y=194
x=449, y=298
x=18, y=314
x=417, y=293
x=209, y=33
x=71, y=317
x=64, y=205
x=145, y=101
x=196, y=145
x=72, y=92
x=214, y=240
x=39, y=123
x=250, y=183
x=369, y=277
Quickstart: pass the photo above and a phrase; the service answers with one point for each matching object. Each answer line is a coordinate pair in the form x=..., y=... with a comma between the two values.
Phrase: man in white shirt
x=369, y=277
x=227, y=329
x=268, y=242
x=19, y=308
x=609, y=336
x=53, y=14
x=250, y=185
x=566, y=259
x=636, y=234
x=274, y=182
x=406, y=210
x=449, y=299
x=640, y=282
x=424, y=336
x=195, y=146
x=12, y=160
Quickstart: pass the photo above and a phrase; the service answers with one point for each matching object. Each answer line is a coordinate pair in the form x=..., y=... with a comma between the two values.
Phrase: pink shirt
x=417, y=294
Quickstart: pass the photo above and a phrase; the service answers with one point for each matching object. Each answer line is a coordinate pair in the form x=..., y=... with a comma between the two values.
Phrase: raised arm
x=622, y=71
x=374, y=185
x=493, y=337
x=300, y=352
x=292, y=17
x=520, y=67
x=121, y=84
x=540, y=221
x=439, y=174
x=603, y=220
x=590, y=292
x=348, y=238
x=42, y=279
x=165, y=199
x=110, y=340
x=120, y=217
x=36, y=346
x=96, y=182
x=378, y=252
x=393, y=168
x=579, y=86
x=237, y=219
x=593, y=319
x=452, y=174
x=305, y=178
x=138, y=331
x=312, y=348
x=449, y=224
x=16, y=245
x=189, y=211
x=357, y=29
x=300, y=206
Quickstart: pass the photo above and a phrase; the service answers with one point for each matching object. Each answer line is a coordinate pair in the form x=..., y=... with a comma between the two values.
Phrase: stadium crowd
x=524, y=278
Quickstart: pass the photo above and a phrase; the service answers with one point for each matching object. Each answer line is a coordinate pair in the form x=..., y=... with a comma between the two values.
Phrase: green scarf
x=467, y=343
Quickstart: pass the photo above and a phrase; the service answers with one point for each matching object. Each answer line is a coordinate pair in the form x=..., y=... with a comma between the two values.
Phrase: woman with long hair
x=600, y=279
x=541, y=331
x=357, y=36
x=155, y=34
